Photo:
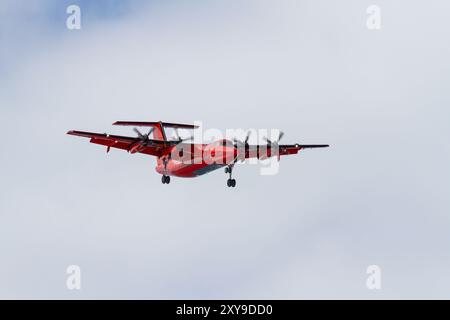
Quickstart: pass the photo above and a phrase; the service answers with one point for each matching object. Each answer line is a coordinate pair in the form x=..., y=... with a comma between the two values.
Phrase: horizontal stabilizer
x=152, y=124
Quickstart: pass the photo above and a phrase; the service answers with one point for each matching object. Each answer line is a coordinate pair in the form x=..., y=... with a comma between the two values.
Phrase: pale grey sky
x=379, y=195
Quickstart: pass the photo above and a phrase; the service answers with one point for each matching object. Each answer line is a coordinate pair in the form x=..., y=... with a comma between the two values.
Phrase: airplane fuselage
x=193, y=160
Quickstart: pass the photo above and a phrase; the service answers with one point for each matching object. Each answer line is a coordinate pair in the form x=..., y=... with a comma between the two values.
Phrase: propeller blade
x=238, y=143
x=144, y=137
x=140, y=135
x=280, y=136
x=267, y=140
x=247, y=137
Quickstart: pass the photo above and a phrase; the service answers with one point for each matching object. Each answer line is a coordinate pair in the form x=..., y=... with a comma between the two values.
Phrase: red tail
x=158, y=132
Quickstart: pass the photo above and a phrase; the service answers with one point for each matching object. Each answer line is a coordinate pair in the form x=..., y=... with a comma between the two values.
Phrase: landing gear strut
x=230, y=182
x=165, y=179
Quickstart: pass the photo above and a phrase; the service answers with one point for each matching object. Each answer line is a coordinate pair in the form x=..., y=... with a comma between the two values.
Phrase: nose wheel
x=230, y=182
x=165, y=179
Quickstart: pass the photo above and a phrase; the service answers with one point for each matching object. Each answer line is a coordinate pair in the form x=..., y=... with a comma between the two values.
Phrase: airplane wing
x=265, y=151
x=130, y=144
x=286, y=149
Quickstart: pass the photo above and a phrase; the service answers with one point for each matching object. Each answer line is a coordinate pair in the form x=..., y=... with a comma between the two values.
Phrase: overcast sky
x=378, y=196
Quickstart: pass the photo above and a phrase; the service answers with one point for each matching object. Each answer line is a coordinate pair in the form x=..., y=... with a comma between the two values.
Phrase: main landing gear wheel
x=165, y=179
x=230, y=182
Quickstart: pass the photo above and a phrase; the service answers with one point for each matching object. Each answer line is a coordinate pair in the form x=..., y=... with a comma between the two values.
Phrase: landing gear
x=230, y=182
x=165, y=179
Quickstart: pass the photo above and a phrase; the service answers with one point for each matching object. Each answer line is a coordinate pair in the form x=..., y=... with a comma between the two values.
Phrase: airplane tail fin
x=158, y=132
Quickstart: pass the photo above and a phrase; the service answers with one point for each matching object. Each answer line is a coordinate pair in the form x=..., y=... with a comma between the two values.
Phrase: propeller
x=280, y=136
x=144, y=137
x=275, y=143
x=238, y=143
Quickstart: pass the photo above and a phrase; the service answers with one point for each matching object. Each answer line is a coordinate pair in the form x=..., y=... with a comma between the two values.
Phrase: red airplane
x=187, y=160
